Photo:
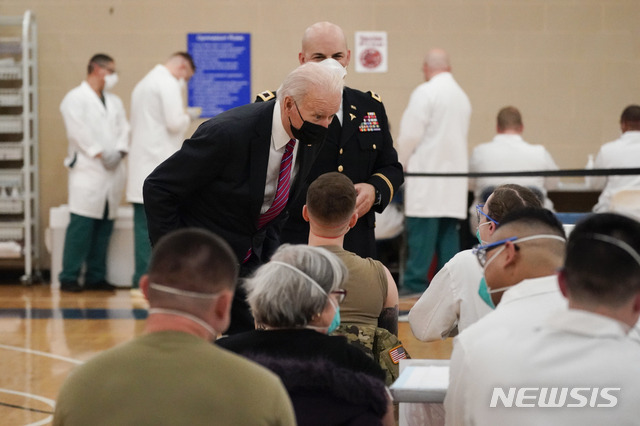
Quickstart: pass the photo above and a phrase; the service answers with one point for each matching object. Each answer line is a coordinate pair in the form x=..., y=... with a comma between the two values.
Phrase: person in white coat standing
x=433, y=138
x=158, y=123
x=98, y=134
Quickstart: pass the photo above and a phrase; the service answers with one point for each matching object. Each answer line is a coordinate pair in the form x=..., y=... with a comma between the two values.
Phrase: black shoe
x=71, y=286
x=100, y=285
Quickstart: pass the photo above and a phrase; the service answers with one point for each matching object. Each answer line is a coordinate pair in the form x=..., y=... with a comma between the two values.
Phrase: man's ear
x=305, y=213
x=287, y=102
x=492, y=227
x=562, y=283
x=512, y=253
x=222, y=311
x=353, y=220
x=144, y=285
x=636, y=303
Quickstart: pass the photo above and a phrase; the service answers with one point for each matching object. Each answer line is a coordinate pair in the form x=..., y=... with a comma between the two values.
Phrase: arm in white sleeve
x=598, y=182
x=74, y=114
x=551, y=182
x=175, y=117
x=412, y=127
x=124, y=130
x=454, y=401
x=437, y=311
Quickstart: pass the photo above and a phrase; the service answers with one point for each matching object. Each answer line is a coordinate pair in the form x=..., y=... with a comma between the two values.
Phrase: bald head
x=435, y=62
x=324, y=40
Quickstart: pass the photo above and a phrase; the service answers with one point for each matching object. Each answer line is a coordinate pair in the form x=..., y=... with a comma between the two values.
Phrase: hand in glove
x=194, y=112
x=110, y=159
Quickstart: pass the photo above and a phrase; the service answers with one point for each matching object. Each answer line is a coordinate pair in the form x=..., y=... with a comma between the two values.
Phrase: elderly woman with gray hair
x=295, y=301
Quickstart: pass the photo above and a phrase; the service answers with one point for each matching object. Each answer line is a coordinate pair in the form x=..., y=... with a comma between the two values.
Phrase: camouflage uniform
x=379, y=344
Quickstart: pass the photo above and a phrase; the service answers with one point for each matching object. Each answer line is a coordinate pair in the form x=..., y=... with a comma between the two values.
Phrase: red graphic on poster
x=370, y=58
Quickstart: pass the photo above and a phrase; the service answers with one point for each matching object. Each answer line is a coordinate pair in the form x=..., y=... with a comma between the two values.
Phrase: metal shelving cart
x=19, y=193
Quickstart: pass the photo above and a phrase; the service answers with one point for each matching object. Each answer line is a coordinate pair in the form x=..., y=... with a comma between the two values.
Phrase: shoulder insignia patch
x=267, y=95
x=397, y=354
x=375, y=96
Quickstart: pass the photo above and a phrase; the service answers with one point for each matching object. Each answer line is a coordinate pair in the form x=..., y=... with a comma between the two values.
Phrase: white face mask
x=182, y=82
x=110, y=81
x=175, y=312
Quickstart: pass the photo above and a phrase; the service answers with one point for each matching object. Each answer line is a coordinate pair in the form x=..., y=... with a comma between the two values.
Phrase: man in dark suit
x=235, y=175
x=359, y=145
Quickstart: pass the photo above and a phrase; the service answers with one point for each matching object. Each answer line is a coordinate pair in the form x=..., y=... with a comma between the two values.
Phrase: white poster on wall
x=371, y=51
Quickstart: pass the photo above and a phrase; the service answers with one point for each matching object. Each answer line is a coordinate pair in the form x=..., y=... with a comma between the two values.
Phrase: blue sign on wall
x=223, y=71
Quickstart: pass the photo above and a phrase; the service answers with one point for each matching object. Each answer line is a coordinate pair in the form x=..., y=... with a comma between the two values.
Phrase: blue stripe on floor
x=74, y=313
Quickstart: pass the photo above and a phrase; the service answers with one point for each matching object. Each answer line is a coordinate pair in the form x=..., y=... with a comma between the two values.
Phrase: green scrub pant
x=426, y=237
x=142, y=244
x=86, y=242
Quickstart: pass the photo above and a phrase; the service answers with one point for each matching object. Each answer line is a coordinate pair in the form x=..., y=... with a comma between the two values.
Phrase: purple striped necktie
x=284, y=184
x=282, y=191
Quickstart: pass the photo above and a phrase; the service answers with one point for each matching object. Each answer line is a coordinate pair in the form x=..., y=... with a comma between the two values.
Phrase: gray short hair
x=283, y=298
x=310, y=76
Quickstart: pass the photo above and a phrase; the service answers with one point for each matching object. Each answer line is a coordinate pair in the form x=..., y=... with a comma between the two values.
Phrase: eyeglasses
x=481, y=250
x=110, y=70
x=340, y=294
x=480, y=212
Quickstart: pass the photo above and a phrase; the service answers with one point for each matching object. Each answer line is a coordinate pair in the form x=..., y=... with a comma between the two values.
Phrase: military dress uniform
x=361, y=148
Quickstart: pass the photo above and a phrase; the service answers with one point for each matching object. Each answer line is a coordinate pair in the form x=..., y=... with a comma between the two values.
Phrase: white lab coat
x=433, y=138
x=451, y=299
x=93, y=128
x=621, y=153
x=571, y=348
x=158, y=123
x=509, y=152
x=521, y=308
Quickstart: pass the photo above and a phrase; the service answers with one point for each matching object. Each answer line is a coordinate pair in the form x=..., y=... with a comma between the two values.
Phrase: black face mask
x=309, y=133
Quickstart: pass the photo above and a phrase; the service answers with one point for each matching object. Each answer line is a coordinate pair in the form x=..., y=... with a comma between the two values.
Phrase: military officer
x=358, y=144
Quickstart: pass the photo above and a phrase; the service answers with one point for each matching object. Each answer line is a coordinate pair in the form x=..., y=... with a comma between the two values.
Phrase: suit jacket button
x=341, y=151
x=340, y=168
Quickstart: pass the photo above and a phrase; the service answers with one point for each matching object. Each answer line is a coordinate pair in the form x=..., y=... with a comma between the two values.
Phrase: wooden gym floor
x=45, y=333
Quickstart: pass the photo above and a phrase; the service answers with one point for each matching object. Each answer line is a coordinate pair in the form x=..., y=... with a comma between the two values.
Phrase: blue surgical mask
x=335, y=323
x=483, y=292
x=478, y=233
x=483, y=289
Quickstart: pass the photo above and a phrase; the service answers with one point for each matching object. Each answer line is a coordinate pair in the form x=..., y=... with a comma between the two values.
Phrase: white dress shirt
x=279, y=140
x=570, y=349
x=621, y=153
x=509, y=152
x=521, y=308
x=451, y=299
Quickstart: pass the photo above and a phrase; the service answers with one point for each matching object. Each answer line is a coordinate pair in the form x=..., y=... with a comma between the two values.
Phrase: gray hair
x=309, y=77
x=284, y=298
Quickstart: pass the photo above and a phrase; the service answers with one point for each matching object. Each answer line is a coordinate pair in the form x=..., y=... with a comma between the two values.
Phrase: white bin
x=120, y=257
